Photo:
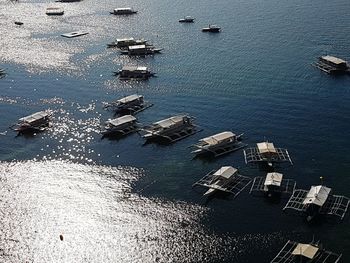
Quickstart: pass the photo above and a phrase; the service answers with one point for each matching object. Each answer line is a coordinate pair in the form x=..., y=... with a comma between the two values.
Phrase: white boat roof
x=123, y=9
x=130, y=98
x=306, y=250
x=137, y=47
x=122, y=120
x=35, y=116
x=54, y=9
x=334, y=60
x=266, y=147
x=134, y=68
x=273, y=179
x=166, y=123
x=217, y=138
x=188, y=17
x=226, y=172
x=317, y=195
x=125, y=39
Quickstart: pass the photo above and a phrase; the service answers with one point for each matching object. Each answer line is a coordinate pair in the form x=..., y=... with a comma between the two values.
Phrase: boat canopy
x=172, y=121
x=317, y=195
x=333, y=60
x=125, y=39
x=130, y=99
x=266, y=148
x=136, y=47
x=305, y=250
x=273, y=179
x=121, y=9
x=122, y=120
x=35, y=117
x=226, y=172
x=218, y=138
x=134, y=68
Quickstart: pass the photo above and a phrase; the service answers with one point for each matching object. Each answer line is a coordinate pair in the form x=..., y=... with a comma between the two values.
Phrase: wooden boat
x=134, y=72
x=212, y=28
x=35, y=122
x=219, y=144
x=120, y=126
x=123, y=11
x=187, y=19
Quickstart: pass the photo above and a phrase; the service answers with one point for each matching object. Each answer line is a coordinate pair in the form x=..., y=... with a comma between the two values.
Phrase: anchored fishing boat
x=130, y=105
x=134, y=72
x=54, y=11
x=319, y=200
x=273, y=184
x=123, y=11
x=120, y=126
x=266, y=152
x=35, y=122
x=219, y=144
x=332, y=65
x=171, y=129
x=212, y=28
x=187, y=19
x=226, y=179
x=126, y=42
x=300, y=252
x=140, y=50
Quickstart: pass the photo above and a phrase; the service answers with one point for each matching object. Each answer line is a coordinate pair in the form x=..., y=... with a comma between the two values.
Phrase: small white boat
x=187, y=19
x=35, y=122
x=120, y=126
x=75, y=34
x=54, y=11
x=211, y=28
x=124, y=11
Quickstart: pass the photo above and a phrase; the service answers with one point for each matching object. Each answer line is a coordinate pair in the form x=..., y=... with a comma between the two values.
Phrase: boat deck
x=235, y=186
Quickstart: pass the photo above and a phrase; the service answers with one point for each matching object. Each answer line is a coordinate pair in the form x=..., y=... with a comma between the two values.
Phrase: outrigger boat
x=129, y=105
x=273, y=184
x=120, y=126
x=300, y=252
x=171, y=129
x=54, y=11
x=318, y=200
x=187, y=19
x=140, y=50
x=126, y=42
x=212, y=28
x=226, y=179
x=134, y=72
x=123, y=11
x=332, y=65
x=219, y=144
x=36, y=122
x=266, y=152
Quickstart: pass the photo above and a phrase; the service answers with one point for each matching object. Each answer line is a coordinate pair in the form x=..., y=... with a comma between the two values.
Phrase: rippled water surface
x=126, y=201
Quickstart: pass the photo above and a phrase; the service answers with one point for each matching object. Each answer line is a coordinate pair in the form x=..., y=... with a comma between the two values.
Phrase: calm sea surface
x=123, y=201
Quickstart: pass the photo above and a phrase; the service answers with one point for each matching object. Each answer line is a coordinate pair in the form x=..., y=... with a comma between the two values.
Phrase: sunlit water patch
x=100, y=218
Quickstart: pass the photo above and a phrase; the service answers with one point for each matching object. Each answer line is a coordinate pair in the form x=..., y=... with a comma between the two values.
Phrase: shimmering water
x=123, y=201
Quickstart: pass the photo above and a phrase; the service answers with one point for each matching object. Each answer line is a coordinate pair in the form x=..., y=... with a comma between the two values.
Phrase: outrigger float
x=311, y=252
x=129, y=105
x=134, y=72
x=123, y=11
x=171, y=129
x=226, y=179
x=124, y=43
x=219, y=144
x=319, y=200
x=265, y=152
x=141, y=50
x=36, y=122
x=120, y=126
x=332, y=65
x=273, y=184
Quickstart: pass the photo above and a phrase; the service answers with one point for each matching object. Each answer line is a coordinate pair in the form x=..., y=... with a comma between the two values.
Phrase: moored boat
x=35, y=122
x=123, y=11
x=212, y=28
x=126, y=42
x=140, y=50
x=134, y=72
x=120, y=126
x=332, y=65
x=187, y=19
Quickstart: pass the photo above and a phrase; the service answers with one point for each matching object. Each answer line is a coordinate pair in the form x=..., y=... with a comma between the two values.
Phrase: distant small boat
x=332, y=65
x=134, y=72
x=187, y=19
x=54, y=11
x=141, y=50
x=123, y=11
x=75, y=34
x=126, y=42
x=18, y=23
x=211, y=28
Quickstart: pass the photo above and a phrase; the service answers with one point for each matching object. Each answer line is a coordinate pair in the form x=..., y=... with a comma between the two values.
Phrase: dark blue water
x=123, y=201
